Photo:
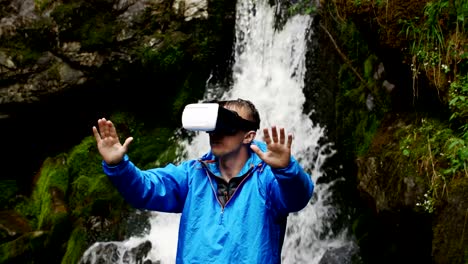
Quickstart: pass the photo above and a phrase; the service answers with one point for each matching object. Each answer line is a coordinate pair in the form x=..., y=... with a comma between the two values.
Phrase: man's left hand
x=279, y=149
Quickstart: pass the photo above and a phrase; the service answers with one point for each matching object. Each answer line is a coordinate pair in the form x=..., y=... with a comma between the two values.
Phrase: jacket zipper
x=213, y=188
x=252, y=169
x=238, y=187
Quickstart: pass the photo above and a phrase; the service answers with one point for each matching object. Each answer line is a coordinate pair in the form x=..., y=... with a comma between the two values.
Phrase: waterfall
x=268, y=69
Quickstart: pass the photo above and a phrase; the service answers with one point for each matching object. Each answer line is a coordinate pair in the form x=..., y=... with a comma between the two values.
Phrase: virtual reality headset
x=214, y=118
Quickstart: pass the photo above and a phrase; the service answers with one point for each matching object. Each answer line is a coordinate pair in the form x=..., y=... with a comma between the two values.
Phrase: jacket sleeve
x=292, y=188
x=161, y=189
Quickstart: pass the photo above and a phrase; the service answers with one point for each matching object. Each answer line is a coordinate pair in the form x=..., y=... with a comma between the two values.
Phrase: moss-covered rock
x=25, y=249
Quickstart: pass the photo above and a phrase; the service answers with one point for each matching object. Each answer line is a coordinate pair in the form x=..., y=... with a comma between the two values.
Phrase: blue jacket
x=250, y=227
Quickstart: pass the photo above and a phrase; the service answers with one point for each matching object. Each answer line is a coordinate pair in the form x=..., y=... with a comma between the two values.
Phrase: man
x=234, y=200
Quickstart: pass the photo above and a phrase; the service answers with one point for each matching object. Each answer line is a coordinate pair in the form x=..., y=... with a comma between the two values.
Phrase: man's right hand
x=108, y=142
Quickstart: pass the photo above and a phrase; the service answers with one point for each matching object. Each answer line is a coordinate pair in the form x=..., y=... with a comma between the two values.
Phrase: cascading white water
x=269, y=70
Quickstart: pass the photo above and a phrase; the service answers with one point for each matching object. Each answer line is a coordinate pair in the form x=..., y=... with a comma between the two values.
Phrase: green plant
x=428, y=202
x=458, y=103
x=439, y=155
x=41, y=5
x=302, y=7
x=458, y=146
x=436, y=40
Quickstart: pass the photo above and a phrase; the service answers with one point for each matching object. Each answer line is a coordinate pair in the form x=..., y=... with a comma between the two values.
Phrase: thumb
x=127, y=143
x=256, y=150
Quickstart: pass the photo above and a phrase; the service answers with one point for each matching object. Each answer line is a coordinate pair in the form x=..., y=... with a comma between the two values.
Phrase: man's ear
x=249, y=137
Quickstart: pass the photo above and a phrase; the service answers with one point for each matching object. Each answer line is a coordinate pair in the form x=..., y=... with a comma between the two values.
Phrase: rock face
x=67, y=62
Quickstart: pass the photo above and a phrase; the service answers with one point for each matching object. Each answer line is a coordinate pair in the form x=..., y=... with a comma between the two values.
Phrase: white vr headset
x=214, y=118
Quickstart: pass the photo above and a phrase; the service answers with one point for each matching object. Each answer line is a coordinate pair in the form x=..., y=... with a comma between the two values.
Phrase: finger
x=103, y=128
x=274, y=134
x=96, y=135
x=266, y=136
x=112, y=131
x=290, y=139
x=107, y=125
x=127, y=143
x=282, y=137
x=257, y=151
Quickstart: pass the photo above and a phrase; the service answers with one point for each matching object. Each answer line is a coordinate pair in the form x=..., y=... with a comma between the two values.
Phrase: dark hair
x=252, y=112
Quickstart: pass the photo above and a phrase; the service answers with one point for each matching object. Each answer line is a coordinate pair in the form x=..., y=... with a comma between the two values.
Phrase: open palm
x=108, y=142
x=279, y=149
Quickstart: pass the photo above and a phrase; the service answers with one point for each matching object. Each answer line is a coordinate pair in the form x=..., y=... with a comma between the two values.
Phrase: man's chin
x=216, y=150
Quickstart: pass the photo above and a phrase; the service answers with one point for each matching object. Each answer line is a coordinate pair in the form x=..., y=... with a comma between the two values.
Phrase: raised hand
x=279, y=150
x=108, y=142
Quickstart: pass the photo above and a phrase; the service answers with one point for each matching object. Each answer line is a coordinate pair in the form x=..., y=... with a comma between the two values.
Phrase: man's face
x=222, y=144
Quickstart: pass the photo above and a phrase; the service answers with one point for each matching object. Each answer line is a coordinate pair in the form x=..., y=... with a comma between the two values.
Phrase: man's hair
x=252, y=112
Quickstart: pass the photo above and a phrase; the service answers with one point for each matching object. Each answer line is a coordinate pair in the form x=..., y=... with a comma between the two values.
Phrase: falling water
x=269, y=70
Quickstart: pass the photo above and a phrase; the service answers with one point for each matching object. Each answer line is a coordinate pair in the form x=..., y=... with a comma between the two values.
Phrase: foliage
x=458, y=102
x=361, y=101
x=427, y=155
x=438, y=44
x=437, y=153
x=167, y=58
x=76, y=246
x=39, y=208
x=41, y=5
x=438, y=40
x=303, y=7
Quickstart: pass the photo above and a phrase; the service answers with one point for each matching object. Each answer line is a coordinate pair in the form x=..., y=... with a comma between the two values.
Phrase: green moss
x=153, y=147
x=167, y=58
x=23, y=249
x=87, y=179
x=357, y=88
x=41, y=5
x=354, y=116
x=98, y=33
x=302, y=7
x=425, y=147
x=76, y=246
x=30, y=42
x=58, y=236
x=53, y=175
x=158, y=18
x=39, y=209
x=89, y=22
x=8, y=190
